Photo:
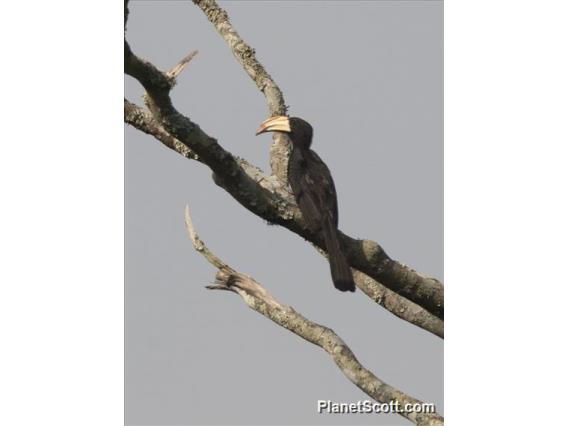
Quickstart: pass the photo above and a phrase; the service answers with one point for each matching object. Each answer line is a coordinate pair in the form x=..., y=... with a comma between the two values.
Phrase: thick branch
x=257, y=298
x=399, y=306
x=268, y=198
x=144, y=121
x=392, y=302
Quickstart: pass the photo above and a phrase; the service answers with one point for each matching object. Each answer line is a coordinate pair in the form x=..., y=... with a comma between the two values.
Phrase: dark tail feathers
x=340, y=270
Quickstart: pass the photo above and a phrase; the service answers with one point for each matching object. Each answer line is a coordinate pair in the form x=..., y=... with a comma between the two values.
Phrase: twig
x=176, y=70
x=257, y=298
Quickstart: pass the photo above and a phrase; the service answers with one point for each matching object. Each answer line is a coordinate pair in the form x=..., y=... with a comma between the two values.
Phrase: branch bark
x=258, y=298
x=246, y=56
x=144, y=121
x=268, y=197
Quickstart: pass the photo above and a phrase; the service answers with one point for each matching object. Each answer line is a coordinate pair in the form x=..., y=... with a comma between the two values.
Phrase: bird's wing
x=326, y=193
x=302, y=182
x=313, y=188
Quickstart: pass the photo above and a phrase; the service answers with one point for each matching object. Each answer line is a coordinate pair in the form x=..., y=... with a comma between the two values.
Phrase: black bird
x=314, y=191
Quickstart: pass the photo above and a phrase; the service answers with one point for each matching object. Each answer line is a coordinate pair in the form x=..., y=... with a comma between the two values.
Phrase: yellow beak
x=280, y=123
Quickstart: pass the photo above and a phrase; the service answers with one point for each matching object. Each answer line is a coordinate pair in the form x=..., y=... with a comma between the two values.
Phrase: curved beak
x=280, y=123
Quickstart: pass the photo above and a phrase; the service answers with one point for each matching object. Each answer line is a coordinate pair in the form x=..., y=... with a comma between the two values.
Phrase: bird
x=314, y=191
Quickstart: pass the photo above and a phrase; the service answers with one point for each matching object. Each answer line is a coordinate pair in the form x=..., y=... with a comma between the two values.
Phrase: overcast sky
x=368, y=76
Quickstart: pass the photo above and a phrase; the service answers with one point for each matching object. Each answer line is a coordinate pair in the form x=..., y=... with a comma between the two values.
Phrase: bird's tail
x=340, y=270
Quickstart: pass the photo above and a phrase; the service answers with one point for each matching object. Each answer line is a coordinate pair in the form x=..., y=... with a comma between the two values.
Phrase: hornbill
x=314, y=191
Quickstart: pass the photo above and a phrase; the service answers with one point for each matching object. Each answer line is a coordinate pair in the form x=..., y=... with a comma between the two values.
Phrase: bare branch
x=257, y=298
x=144, y=121
x=269, y=199
x=176, y=70
x=200, y=246
x=394, y=303
x=399, y=306
x=246, y=56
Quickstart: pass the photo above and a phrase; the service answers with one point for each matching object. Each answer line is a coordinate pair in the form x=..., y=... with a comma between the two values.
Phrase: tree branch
x=246, y=56
x=144, y=121
x=177, y=70
x=268, y=198
x=258, y=298
x=397, y=305
x=394, y=303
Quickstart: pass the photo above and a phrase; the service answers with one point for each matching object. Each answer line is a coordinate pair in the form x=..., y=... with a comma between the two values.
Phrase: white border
x=506, y=120
x=61, y=171
x=61, y=306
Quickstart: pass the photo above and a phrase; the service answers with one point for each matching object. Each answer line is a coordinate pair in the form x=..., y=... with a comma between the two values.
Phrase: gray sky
x=369, y=77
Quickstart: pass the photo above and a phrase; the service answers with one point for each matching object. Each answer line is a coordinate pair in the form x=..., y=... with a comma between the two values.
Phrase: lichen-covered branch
x=269, y=198
x=408, y=311
x=246, y=56
x=143, y=120
x=258, y=298
x=394, y=303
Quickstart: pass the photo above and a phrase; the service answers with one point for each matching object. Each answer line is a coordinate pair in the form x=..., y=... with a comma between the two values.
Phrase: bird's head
x=299, y=131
